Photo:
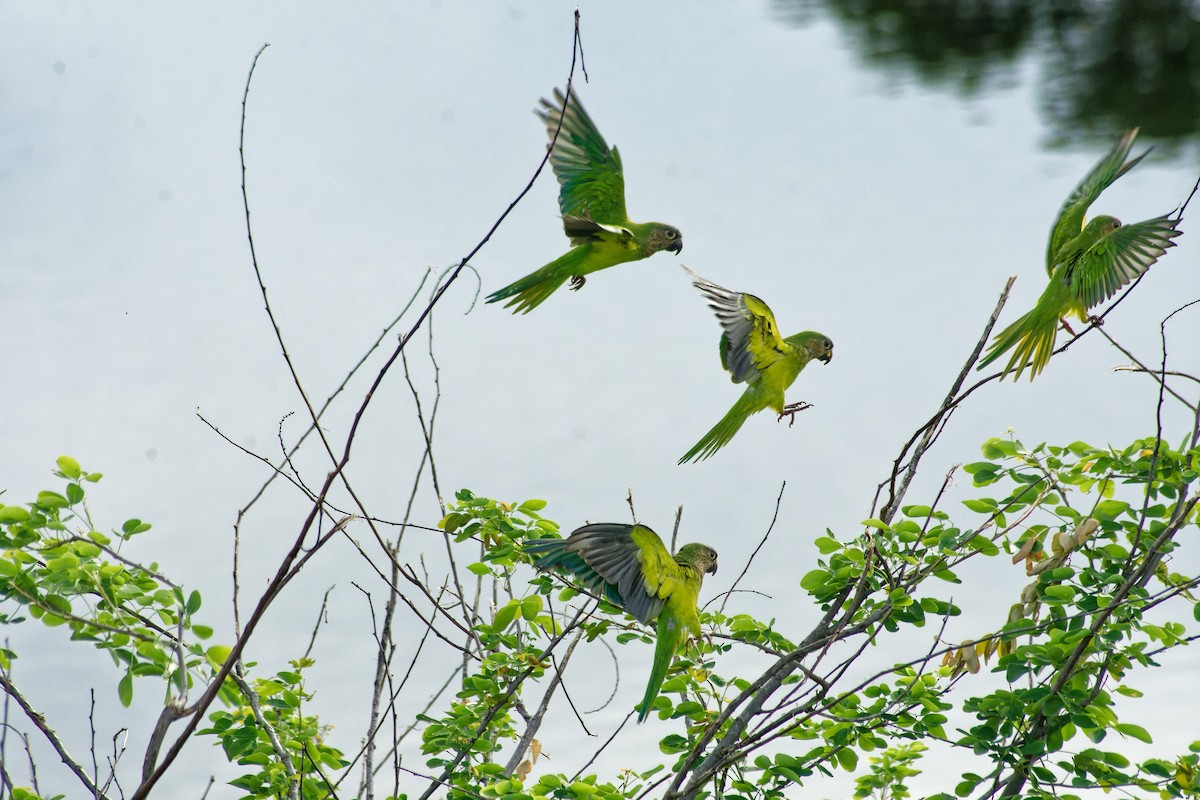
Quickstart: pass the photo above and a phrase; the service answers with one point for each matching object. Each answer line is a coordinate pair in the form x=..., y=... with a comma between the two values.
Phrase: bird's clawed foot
x=577, y=282
x=790, y=411
x=1095, y=322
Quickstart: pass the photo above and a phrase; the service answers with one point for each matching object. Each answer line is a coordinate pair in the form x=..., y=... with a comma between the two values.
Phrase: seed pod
x=1085, y=531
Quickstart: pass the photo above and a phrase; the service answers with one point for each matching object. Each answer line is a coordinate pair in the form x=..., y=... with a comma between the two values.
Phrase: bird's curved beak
x=713, y=569
x=676, y=246
x=826, y=358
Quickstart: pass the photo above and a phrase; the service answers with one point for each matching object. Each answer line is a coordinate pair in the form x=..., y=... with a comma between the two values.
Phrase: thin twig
x=896, y=493
x=602, y=747
x=616, y=676
x=675, y=530
x=1152, y=373
x=39, y=722
x=750, y=560
x=321, y=614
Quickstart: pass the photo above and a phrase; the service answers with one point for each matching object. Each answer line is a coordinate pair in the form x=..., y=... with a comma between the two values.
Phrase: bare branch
x=531, y=728
x=928, y=430
x=39, y=722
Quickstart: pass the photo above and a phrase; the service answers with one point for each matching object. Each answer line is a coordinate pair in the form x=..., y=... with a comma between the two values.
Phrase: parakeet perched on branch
x=591, y=199
x=754, y=353
x=629, y=566
x=1088, y=264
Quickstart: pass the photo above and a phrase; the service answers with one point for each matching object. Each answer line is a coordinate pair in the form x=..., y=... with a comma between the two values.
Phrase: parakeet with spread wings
x=755, y=354
x=629, y=566
x=1088, y=264
x=591, y=199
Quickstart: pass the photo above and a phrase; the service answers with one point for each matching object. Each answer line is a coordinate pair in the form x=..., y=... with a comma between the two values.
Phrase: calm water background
x=874, y=171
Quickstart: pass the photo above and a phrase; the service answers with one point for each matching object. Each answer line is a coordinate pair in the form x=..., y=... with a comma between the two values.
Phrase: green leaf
x=1062, y=594
x=875, y=522
x=132, y=526
x=451, y=522
x=87, y=550
x=479, y=568
x=193, y=602
x=827, y=545
x=125, y=689
x=532, y=505
x=981, y=506
x=69, y=467
x=999, y=448
x=49, y=500
x=531, y=606
x=506, y=615
x=218, y=654
x=814, y=580
x=10, y=514
x=1135, y=731
x=1109, y=509
x=983, y=545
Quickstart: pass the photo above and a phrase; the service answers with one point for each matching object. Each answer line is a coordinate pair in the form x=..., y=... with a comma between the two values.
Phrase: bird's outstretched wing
x=591, y=183
x=1114, y=260
x=627, y=564
x=751, y=341
x=1071, y=216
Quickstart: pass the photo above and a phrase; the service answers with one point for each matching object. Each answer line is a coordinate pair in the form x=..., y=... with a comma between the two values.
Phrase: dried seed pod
x=1085, y=530
x=1025, y=551
x=1049, y=563
x=970, y=659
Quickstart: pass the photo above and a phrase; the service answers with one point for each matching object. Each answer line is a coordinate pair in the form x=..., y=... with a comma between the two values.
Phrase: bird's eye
x=828, y=345
x=1116, y=223
x=671, y=234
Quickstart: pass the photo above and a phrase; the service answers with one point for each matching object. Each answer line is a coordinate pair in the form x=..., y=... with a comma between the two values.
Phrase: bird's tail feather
x=531, y=291
x=723, y=431
x=670, y=636
x=1031, y=338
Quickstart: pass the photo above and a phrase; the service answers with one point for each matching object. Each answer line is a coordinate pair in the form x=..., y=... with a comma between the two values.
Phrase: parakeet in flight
x=591, y=199
x=754, y=353
x=1088, y=264
x=629, y=566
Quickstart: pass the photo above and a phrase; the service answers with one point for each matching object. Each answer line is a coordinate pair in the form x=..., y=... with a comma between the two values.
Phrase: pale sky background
x=384, y=139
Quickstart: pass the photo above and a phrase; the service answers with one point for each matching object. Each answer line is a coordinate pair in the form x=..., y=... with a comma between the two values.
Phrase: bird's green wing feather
x=1119, y=257
x=556, y=554
x=629, y=562
x=591, y=183
x=751, y=341
x=1071, y=216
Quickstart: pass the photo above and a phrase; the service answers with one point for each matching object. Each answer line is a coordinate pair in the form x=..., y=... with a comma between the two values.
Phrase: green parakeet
x=754, y=353
x=1073, y=212
x=629, y=566
x=1088, y=264
x=591, y=199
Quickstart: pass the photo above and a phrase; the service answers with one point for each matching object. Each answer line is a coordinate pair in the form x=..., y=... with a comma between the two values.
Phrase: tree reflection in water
x=1102, y=67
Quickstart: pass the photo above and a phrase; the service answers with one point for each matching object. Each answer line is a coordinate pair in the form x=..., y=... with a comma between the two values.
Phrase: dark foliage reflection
x=1101, y=67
